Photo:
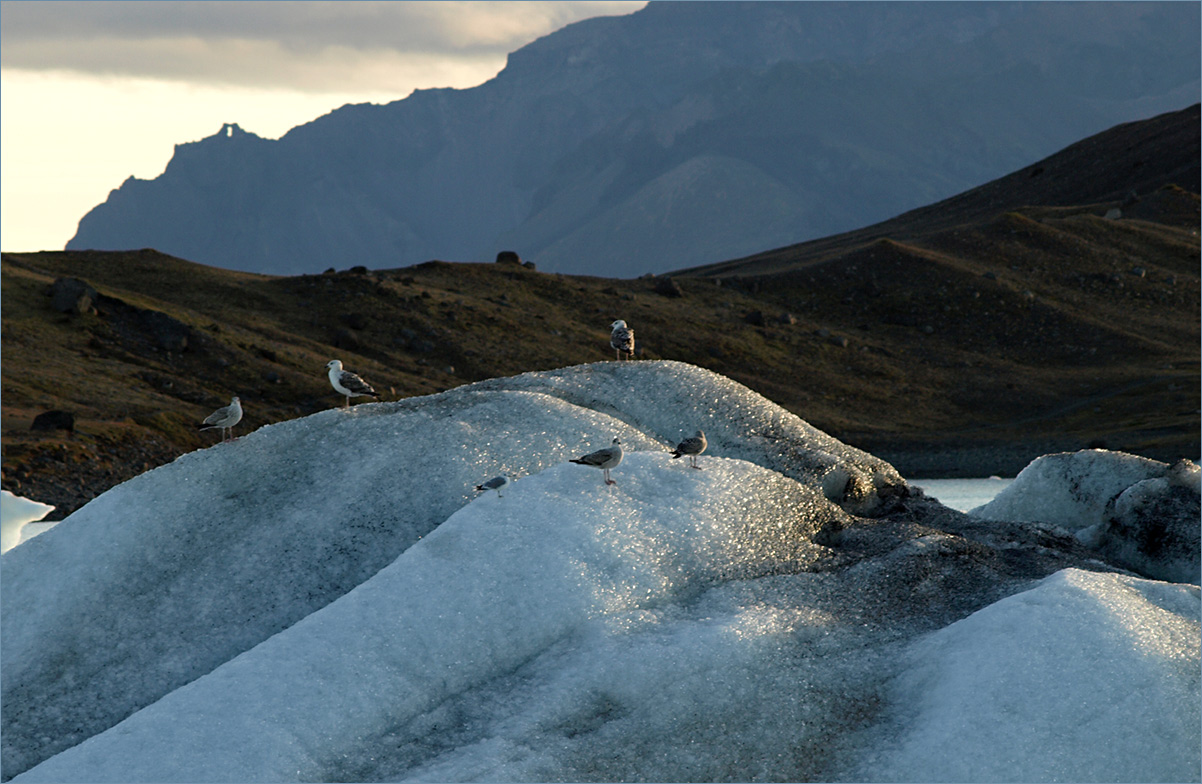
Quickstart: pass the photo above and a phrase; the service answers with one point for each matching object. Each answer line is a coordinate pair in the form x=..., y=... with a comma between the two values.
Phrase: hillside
x=686, y=133
x=966, y=338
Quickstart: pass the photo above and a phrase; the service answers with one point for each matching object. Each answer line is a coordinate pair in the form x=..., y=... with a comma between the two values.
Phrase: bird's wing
x=355, y=384
x=595, y=458
x=219, y=416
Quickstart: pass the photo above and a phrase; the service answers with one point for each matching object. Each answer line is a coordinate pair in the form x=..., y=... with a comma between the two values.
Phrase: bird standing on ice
x=622, y=338
x=347, y=383
x=604, y=459
x=224, y=418
x=692, y=446
x=496, y=483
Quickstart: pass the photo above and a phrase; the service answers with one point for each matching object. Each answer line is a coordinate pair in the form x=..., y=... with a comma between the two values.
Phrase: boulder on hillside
x=54, y=420
x=666, y=287
x=168, y=333
x=72, y=295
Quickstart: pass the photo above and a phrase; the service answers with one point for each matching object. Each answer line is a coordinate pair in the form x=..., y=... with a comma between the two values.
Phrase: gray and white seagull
x=604, y=459
x=496, y=483
x=691, y=446
x=225, y=418
x=347, y=383
x=621, y=339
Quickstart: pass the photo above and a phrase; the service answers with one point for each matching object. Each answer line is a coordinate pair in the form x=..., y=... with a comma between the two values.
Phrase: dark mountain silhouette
x=683, y=134
x=1053, y=309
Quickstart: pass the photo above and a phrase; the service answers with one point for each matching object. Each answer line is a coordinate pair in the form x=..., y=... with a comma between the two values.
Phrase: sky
x=94, y=92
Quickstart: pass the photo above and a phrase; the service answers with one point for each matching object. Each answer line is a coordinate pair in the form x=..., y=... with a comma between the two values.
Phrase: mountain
x=1048, y=310
x=328, y=599
x=683, y=134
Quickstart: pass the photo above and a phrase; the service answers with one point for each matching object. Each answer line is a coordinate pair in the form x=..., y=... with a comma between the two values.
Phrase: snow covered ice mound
x=329, y=599
x=161, y=579
x=661, y=398
x=1099, y=662
x=1139, y=513
x=497, y=583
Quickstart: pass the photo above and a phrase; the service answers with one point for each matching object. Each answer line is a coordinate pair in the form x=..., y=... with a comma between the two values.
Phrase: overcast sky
x=93, y=92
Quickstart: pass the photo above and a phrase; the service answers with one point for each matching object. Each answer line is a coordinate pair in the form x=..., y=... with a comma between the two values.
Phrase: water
x=962, y=494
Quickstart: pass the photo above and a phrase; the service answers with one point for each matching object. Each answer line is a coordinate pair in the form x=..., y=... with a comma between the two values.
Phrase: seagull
x=605, y=459
x=347, y=383
x=224, y=418
x=622, y=338
x=692, y=446
x=496, y=483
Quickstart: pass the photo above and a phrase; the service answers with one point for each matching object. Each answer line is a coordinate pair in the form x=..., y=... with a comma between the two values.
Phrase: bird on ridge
x=347, y=383
x=225, y=418
x=605, y=459
x=621, y=339
x=496, y=483
x=691, y=446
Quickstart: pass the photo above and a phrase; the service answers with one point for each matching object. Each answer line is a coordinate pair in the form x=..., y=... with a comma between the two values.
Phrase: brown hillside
x=965, y=338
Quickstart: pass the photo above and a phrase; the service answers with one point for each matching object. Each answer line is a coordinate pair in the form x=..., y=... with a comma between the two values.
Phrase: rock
x=666, y=287
x=787, y=318
x=755, y=318
x=1114, y=213
x=168, y=333
x=72, y=295
x=54, y=420
x=509, y=257
x=529, y=265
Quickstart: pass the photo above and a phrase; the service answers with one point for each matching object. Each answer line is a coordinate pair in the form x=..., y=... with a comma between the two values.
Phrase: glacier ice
x=1139, y=513
x=330, y=599
x=1023, y=684
x=188, y=565
x=16, y=513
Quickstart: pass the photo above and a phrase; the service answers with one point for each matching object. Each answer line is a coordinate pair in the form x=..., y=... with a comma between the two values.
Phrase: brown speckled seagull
x=347, y=383
x=621, y=339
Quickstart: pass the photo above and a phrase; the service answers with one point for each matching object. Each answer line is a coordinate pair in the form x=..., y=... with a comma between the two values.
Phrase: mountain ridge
x=582, y=153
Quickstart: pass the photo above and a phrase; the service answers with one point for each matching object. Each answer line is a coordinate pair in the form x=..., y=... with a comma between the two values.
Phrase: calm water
x=962, y=494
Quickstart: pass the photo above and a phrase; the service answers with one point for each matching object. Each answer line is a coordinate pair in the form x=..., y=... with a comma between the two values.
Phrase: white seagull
x=496, y=483
x=604, y=459
x=691, y=446
x=224, y=418
x=347, y=383
x=621, y=339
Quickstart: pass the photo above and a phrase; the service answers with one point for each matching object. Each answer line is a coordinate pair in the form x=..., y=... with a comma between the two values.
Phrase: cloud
x=298, y=45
